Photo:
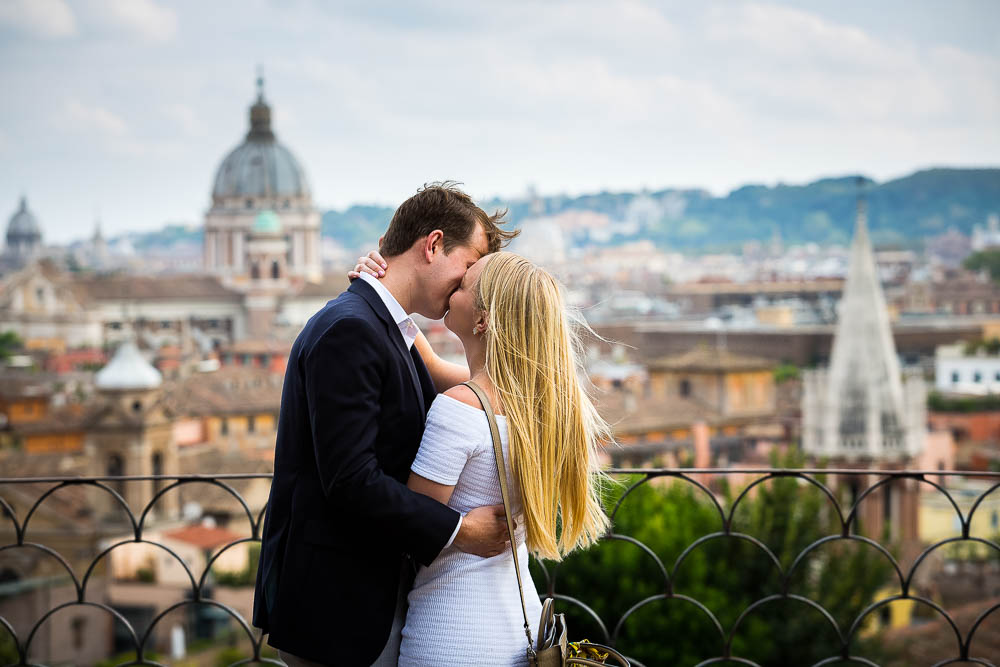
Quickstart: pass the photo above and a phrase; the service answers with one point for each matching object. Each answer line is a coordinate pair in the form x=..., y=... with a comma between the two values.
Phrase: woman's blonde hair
x=533, y=360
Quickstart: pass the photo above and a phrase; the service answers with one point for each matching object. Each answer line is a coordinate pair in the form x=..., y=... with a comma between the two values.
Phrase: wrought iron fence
x=610, y=628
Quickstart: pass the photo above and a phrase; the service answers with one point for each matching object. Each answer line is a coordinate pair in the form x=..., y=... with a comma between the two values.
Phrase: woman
x=522, y=350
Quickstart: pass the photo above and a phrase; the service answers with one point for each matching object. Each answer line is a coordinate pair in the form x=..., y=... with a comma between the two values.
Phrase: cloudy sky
x=124, y=108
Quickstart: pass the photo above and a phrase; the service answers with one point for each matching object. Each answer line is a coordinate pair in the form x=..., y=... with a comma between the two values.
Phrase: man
x=353, y=404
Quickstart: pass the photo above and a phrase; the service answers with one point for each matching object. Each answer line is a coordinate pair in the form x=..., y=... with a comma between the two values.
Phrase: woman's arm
x=445, y=374
x=439, y=492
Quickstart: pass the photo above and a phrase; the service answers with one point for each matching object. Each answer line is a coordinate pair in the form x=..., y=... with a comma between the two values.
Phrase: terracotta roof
x=782, y=286
x=934, y=642
x=229, y=390
x=70, y=418
x=329, y=287
x=15, y=384
x=195, y=287
x=258, y=346
x=704, y=358
x=637, y=413
x=205, y=537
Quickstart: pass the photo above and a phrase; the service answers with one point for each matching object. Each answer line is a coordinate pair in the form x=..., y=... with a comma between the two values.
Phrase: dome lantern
x=260, y=115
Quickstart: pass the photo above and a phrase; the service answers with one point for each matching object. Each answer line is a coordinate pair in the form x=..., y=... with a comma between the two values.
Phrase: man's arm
x=478, y=532
x=445, y=374
x=343, y=376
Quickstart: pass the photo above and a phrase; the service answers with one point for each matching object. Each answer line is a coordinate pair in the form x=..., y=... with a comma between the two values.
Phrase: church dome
x=128, y=370
x=23, y=224
x=260, y=166
x=266, y=222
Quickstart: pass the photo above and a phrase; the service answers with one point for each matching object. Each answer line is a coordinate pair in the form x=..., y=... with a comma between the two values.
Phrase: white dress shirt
x=409, y=329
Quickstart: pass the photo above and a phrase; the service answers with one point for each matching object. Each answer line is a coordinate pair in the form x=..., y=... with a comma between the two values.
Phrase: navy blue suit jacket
x=340, y=517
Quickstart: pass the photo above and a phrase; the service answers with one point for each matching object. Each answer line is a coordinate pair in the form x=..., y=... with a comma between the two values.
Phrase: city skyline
x=125, y=110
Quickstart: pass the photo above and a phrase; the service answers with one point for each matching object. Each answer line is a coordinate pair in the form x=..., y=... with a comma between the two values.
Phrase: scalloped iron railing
x=847, y=530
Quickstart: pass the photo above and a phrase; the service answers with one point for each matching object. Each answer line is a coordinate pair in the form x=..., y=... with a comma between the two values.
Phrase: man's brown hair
x=442, y=205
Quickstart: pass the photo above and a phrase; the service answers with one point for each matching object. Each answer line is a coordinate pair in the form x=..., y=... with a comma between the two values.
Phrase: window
x=255, y=271
x=994, y=520
x=40, y=294
x=977, y=377
x=996, y=376
x=248, y=203
x=251, y=424
x=685, y=387
x=262, y=359
x=955, y=377
x=78, y=625
x=275, y=270
x=224, y=426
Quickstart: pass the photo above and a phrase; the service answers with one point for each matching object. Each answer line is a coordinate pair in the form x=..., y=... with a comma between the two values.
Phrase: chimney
x=702, y=448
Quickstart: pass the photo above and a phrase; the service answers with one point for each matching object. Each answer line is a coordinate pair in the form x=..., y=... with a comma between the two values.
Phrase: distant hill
x=900, y=212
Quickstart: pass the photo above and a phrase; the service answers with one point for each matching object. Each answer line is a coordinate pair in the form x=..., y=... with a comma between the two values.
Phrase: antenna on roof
x=260, y=82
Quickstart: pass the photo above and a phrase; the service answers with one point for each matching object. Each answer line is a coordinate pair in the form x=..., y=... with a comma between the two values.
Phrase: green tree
x=8, y=649
x=10, y=343
x=985, y=259
x=726, y=574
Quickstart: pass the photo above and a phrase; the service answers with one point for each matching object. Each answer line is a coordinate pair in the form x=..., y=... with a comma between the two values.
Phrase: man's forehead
x=481, y=243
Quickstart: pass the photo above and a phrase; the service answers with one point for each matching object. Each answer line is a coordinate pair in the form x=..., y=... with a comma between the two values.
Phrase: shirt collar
x=396, y=311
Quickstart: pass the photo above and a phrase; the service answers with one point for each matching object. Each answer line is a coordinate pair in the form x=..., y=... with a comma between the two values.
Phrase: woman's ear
x=482, y=322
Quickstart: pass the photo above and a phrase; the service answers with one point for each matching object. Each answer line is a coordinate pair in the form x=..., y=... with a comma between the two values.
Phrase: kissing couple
x=385, y=540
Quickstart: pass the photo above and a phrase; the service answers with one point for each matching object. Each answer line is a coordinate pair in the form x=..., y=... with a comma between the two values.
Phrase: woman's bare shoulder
x=463, y=394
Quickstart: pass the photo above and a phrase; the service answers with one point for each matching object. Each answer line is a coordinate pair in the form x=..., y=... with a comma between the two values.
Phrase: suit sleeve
x=343, y=376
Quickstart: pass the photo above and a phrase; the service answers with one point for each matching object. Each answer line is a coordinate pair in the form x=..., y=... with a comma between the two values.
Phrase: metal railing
x=847, y=530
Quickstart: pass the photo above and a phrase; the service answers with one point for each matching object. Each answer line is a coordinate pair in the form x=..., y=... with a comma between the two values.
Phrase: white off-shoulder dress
x=465, y=610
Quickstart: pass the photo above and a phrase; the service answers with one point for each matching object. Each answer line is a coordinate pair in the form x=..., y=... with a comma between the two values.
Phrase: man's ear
x=433, y=245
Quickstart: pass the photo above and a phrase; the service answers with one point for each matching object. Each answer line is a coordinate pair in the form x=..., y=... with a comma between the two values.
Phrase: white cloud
x=82, y=118
x=184, y=117
x=43, y=18
x=142, y=18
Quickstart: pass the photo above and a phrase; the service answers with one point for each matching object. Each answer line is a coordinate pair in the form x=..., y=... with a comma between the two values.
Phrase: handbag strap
x=505, y=492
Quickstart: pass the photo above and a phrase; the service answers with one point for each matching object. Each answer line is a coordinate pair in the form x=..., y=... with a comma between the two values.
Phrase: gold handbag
x=552, y=649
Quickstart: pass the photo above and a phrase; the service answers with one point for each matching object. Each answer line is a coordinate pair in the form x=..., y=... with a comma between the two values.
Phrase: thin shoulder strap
x=505, y=492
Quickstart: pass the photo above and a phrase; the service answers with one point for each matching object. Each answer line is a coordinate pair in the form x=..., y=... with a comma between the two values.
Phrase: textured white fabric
x=465, y=610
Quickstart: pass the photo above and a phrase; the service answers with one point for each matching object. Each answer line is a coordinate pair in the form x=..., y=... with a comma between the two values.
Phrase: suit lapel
x=365, y=291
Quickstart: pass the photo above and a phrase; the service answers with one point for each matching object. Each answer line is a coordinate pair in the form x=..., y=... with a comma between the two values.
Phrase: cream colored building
x=259, y=175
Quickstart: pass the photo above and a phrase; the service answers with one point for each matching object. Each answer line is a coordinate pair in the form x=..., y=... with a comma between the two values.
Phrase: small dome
x=128, y=370
x=266, y=222
x=260, y=166
x=23, y=223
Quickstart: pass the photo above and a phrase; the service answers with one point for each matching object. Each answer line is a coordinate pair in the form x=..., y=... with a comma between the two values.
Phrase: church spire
x=860, y=408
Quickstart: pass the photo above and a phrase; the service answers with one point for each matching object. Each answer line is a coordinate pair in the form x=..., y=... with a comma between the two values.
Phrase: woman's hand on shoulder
x=372, y=263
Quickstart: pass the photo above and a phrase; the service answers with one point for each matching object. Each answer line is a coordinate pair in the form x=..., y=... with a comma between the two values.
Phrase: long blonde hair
x=533, y=361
